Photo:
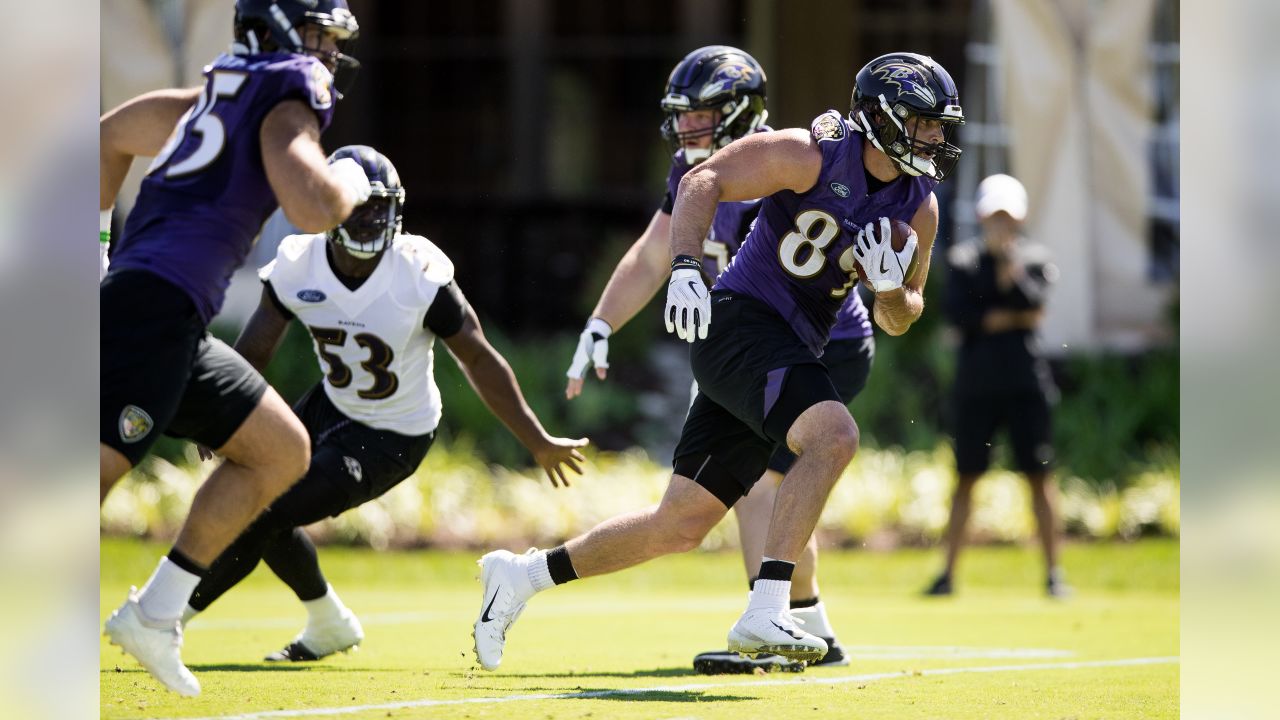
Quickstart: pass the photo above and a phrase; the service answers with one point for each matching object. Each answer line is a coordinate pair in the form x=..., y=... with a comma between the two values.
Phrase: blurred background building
x=526, y=130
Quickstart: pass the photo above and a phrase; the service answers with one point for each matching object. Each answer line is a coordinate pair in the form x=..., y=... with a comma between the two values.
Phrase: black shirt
x=1007, y=361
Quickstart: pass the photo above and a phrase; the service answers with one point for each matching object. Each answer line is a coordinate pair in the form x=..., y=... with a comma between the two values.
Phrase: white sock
x=165, y=595
x=539, y=573
x=770, y=594
x=815, y=620
x=188, y=612
x=328, y=608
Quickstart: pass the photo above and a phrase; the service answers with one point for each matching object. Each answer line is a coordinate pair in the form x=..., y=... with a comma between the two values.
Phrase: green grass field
x=621, y=646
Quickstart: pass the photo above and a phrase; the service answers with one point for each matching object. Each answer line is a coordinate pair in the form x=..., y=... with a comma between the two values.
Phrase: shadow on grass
x=640, y=695
x=626, y=694
x=655, y=672
x=267, y=667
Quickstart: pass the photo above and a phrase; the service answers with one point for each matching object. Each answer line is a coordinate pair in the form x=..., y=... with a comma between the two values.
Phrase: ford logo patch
x=311, y=296
x=841, y=190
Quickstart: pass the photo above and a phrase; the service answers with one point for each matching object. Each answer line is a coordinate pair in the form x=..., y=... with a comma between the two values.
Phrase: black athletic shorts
x=1026, y=415
x=755, y=377
x=161, y=371
x=848, y=363
x=351, y=463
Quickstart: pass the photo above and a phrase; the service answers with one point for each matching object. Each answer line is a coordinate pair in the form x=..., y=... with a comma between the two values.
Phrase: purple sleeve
x=678, y=170
x=832, y=134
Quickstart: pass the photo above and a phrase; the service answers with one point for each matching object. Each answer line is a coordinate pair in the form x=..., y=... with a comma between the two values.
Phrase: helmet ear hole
x=720, y=78
x=894, y=88
x=874, y=115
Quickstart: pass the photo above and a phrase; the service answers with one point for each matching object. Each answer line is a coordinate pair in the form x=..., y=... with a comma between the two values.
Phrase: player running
x=715, y=95
x=829, y=194
x=245, y=142
x=374, y=301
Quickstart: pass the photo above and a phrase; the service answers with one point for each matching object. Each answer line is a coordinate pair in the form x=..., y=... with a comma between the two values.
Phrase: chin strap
x=926, y=167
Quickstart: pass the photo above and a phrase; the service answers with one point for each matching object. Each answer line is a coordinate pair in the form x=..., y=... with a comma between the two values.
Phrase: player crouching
x=374, y=301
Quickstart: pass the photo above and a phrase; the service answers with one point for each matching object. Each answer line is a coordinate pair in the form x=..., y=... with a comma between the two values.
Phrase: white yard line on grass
x=949, y=652
x=855, y=652
x=870, y=677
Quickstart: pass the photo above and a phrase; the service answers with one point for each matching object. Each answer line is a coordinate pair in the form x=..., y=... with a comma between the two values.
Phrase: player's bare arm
x=896, y=310
x=313, y=198
x=261, y=337
x=138, y=128
x=491, y=376
x=633, y=284
x=754, y=167
x=638, y=275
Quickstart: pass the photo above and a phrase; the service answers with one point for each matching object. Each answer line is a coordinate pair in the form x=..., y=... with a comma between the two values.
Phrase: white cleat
x=157, y=645
x=321, y=639
x=506, y=585
x=774, y=631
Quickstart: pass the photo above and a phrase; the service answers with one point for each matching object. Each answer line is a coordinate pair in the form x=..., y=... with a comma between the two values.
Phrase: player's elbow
x=894, y=329
x=891, y=324
x=700, y=183
x=110, y=135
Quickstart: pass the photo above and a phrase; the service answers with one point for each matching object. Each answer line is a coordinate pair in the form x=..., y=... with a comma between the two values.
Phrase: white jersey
x=370, y=341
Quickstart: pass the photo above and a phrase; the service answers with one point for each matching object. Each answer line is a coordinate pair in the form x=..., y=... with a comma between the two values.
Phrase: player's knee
x=839, y=442
x=845, y=439
x=288, y=458
x=683, y=528
x=827, y=429
x=295, y=455
x=688, y=535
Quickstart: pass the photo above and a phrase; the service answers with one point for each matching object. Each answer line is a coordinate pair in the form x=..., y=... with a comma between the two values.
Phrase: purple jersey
x=729, y=227
x=206, y=194
x=799, y=256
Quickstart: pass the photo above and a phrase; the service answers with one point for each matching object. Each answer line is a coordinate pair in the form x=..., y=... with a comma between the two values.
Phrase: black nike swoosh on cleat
x=293, y=652
x=484, y=616
x=797, y=637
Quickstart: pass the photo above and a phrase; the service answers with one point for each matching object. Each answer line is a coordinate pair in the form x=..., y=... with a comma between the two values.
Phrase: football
x=901, y=231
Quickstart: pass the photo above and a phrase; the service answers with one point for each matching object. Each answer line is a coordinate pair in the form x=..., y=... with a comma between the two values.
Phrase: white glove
x=885, y=268
x=593, y=348
x=104, y=242
x=688, y=303
x=351, y=176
